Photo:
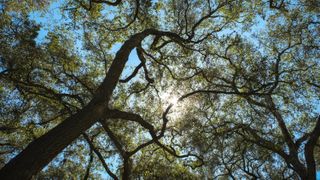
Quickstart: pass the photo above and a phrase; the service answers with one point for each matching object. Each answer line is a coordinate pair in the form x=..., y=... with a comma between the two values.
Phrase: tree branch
x=96, y=151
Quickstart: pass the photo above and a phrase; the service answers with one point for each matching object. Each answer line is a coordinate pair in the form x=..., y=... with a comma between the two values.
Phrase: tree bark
x=309, y=151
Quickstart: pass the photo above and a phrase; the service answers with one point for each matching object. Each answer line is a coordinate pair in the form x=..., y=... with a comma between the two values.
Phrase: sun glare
x=169, y=98
x=179, y=107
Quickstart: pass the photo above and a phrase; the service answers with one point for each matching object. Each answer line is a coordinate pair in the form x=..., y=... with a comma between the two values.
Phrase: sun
x=178, y=108
x=168, y=98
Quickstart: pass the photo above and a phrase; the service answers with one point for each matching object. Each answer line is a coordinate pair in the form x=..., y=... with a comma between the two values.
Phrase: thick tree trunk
x=126, y=169
x=41, y=151
x=309, y=151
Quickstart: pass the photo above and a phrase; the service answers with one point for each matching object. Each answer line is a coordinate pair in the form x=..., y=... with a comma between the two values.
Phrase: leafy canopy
x=214, y=89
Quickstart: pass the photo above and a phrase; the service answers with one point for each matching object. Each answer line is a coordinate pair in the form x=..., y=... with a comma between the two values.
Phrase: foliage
x=211, y=89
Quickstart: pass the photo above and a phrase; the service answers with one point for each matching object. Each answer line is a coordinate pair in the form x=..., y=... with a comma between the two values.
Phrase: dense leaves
x=208, y=89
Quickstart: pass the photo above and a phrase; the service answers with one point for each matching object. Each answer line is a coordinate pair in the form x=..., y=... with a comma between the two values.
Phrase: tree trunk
x=42, y=150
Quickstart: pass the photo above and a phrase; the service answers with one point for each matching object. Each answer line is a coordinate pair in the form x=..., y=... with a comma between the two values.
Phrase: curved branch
x=117, y=2
x=284, y=130
x=220, y=92
x=124, y=154
x=136, y=12
x=96, y=151
x=86, y=176
x=143, y=62
x=155, y=138
x=133, y=74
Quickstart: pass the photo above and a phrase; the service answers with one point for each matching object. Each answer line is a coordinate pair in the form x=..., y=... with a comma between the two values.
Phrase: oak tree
x=173, y=89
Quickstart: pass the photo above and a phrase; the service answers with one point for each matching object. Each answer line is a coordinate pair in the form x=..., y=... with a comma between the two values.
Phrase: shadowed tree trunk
x=42, y=150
